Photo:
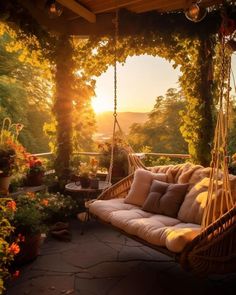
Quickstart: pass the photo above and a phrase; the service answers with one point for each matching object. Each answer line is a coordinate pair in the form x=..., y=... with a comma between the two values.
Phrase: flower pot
x=84, y=181
x=4, y=184
x=35, y=179
x=29, y=249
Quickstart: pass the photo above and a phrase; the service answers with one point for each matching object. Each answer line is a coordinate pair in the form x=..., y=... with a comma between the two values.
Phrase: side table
x=85, y=194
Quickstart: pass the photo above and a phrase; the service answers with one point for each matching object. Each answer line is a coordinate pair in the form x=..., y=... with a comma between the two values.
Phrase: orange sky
x=140, y=81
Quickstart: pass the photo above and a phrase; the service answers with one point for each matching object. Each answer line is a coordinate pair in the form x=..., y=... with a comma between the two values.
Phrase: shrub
x=7, y=250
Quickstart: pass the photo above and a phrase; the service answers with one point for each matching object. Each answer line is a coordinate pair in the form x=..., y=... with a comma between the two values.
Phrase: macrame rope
x=116, y=23
x=219, y=199
x=133, y=161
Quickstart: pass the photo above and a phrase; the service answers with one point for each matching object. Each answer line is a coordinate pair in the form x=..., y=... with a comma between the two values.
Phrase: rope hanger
x=133, y=161
x=220, y=200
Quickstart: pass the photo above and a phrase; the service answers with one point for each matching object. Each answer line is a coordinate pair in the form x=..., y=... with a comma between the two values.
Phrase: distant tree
x=25, y=86
x=162, y=130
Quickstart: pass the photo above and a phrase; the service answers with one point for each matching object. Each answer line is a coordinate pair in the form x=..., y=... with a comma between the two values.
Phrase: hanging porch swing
x=213, y=250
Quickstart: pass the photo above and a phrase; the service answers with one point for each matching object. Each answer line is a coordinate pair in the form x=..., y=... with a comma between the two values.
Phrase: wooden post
x=206, y=125
x=63, y=105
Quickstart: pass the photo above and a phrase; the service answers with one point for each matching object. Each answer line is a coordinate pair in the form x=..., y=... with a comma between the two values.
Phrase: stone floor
x=104, y=262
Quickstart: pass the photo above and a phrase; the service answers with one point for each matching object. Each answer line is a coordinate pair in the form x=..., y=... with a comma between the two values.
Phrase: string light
x=54, y=9
x=195, y=13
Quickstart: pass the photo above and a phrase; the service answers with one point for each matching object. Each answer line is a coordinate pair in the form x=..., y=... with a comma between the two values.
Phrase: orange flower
x=11, y=205
x=44, y=202
x=14, y=249
x=16, y=274
x=31, y=195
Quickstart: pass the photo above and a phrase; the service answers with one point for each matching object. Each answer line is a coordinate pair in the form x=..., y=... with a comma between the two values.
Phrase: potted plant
x=10, y=152
x=29, y=224
x=7, y=164
x=84, y=175
x=87, y=173
x=120, y=160
x=35, y=171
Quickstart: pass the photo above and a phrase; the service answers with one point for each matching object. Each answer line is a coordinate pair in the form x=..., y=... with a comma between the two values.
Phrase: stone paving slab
x=104, y=262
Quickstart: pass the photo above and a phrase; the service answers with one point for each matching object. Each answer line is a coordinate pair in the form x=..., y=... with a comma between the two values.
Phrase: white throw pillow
x=141, y=185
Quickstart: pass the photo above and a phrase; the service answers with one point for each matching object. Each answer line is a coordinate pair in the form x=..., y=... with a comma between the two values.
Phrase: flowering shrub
x=88, y=169
x=12, y=153
x=35, y=165
x=37, y=210
x=7, y=250
x=56, y=207
x=28, y=219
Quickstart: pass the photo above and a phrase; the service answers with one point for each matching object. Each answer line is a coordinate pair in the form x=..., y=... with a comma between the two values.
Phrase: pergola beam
x=104, y=7
x=132, y=24
x=79, y=10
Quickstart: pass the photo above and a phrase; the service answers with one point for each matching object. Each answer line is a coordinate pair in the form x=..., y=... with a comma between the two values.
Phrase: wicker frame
x=213, y=251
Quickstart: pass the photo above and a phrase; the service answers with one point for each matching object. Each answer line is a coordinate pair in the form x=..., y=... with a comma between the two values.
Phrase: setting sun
x=101, y=105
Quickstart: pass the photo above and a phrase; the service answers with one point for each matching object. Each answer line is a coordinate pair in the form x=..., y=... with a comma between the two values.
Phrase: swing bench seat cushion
x=156, y=229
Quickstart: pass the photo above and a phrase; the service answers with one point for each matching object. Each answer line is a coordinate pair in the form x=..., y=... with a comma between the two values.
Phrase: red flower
x=14, y=249
x=11, y=205
x=16, y=274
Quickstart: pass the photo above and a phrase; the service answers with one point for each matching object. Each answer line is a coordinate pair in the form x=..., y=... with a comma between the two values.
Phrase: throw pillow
x=141, y=185
x=165, y=198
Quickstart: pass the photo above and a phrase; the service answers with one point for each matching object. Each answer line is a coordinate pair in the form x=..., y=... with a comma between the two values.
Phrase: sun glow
x=101, y=105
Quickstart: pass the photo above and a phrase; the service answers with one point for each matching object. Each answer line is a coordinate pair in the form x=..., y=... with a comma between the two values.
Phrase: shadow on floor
x=104, y=262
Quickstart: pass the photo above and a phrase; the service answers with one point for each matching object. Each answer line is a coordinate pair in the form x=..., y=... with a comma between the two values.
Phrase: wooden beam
x=79, y=9
x=156, y=5
x=112, y=4
x=103, y=26
x=131, y=24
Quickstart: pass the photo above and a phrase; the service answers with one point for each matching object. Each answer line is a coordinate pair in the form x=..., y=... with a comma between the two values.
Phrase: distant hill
x=125, y=119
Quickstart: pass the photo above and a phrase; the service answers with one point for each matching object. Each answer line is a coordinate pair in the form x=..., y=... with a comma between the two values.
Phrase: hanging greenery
x=191, y=46
x=193, y=55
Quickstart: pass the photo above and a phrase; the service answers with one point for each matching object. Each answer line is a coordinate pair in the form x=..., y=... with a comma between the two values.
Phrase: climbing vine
x=194, y=55
x=189, y=45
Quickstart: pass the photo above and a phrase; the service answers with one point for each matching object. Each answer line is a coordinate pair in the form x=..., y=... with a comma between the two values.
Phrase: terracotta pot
x=29, y=249
x=35, y=179
x=4, y=184
x=84, y=181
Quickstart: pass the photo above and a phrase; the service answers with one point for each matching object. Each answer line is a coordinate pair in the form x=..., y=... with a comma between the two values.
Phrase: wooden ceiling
x=90, y=8
x=84, y=16
x=140, y=6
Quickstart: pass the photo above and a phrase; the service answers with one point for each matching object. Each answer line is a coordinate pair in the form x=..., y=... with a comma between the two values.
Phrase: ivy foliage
x=186, y=53
x=169, y=36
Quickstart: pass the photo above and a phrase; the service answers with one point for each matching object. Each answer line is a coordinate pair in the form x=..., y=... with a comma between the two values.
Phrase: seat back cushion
x=165, y=198
x=141, y=185
x=194, y=203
